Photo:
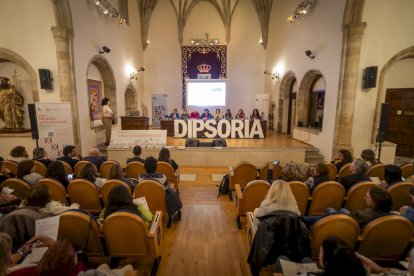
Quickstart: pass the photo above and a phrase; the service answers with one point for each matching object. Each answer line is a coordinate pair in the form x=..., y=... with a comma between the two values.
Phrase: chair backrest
x=134, y=169
x=118, y=229
x=343, y=226
x=326, y=194
x=243, y=174
x=400, y=194
x=40, y=168
x=57, y=190
x=74, y=226
x=80, y=165
x=11, y=165
x=386, y=238
x=20, y=187
x=105, y=168
x=377, y=170
x=166, y=169
x=332, y=172
x=407, y=170
x=344, y=171
x=154, y=193
x=301, y=193
x=356, y=195
x=277, y=171
x=253, y=194
x=107, y=187
x=68, y=168
x=85, y=193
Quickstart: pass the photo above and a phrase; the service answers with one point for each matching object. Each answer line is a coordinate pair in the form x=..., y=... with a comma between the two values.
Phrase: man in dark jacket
x=95, y=157
x=359, y=171
x=69, y=156
x=137, y=155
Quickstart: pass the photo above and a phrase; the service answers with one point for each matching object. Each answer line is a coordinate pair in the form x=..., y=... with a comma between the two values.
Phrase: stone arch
x=284, y=89
x=10, y=56
x=302, y=102
x=108, y=79
x=130, y=99
x=406, y=53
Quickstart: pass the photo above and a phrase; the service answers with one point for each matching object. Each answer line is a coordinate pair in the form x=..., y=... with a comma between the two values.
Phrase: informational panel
x=143, y=138
x=159, y=108
x=54, y=123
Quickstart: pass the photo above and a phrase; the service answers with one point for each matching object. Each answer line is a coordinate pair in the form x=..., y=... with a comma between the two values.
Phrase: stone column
x=63, y=39
x=354, y=34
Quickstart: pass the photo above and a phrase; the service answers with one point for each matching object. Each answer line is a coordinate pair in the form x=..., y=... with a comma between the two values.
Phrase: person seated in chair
x=56, y=171
x=392, y=175
x=90, y=173
x=255, y=115
x=206, y=115
x=69, y=156
x=320, y=175
x=228, y=115
x=195, y=115
x=174, y=115
x=39, y=154
x=18, y=154
x=165, y=156
x=342, y=158
x=137, y=151
x=358, y=171
x=95, y=157
x=117, y=172
x=184, y=115
x=368, y=155
x=26, y=172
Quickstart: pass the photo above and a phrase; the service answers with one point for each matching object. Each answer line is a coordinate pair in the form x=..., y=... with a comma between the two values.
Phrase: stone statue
x=10, y=105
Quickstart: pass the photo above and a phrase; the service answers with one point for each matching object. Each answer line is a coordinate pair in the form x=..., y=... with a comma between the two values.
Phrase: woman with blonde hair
x=279, y=197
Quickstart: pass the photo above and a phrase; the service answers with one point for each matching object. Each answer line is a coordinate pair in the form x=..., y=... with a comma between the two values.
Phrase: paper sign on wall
x=143, y=138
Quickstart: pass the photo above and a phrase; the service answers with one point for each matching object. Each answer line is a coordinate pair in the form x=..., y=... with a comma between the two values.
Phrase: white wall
x=400, y=75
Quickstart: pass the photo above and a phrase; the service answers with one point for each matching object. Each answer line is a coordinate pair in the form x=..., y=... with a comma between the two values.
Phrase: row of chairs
x=327, y=194
x=384, y=239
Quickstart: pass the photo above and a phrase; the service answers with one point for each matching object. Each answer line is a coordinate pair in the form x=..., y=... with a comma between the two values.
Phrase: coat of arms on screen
x=204, y=70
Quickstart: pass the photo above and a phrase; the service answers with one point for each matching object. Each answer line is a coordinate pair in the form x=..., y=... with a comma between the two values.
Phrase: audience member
x=342, y=158
x=255, y=115
x=218, y=115
x=165, y=156
x=56, y=171
x=137, y=155
x=228, y=115
x=117, y=172
x=95, y=157
x=240, y=115
x=5, y=173
x=25, y=171
x=303, y=171
x=39, y=154
x=392, y=175
x=39, y=196
x=290, y=172
x=407, y=211
x=8, y=203
x=184, y=115
x=358, y=171
x=194, y=115
x=279, y=197
x=120, y=199
x=18, y=154
x=368, y=156
x=319, y=175
x=69, y=156
x=89, y=172
x=206, y=115
x=174, y=115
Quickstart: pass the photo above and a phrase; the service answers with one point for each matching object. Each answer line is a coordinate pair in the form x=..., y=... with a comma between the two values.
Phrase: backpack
x=224, y=185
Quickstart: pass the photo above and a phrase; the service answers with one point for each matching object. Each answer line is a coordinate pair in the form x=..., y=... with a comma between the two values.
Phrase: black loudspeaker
x=370, y=77
x=45, y=80
x=383, y=123
x=33, y=121
x=191, y=143
x=219, y=143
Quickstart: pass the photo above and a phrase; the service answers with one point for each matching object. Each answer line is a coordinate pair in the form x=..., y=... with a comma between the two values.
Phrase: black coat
x=351, y=180
x=279, y=233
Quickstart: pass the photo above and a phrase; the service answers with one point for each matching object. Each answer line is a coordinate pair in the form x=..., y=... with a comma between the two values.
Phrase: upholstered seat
x=20, y=187
x=106, y=167
x=301, y=193
x=68, y=168
x=80, y=165
x=85, y=193
x=134, y=169
x=355, y=198
x=11, y=165
x=377, y=170
x=407, y=170
x=344, y=171
x=56, y=189
x=326, y=194
x=40, y=168
x=400, y=194
x=173, y=177
x=107, y=187
x=277, y=170
x=242, y=174
x=332, y=172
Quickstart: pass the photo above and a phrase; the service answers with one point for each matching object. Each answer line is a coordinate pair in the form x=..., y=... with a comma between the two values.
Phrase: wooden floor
x=207, y=240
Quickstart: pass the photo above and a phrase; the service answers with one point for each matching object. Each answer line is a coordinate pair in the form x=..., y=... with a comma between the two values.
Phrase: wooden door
x=401, y=120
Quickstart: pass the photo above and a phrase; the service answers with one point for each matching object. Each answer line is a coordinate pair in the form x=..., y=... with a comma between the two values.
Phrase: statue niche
x=10, y=105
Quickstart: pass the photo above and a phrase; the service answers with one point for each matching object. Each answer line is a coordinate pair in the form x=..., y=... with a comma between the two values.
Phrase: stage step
x=312, y=156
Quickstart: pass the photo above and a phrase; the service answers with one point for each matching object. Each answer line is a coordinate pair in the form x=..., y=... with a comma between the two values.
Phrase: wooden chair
x=74, y=226
x=80, y=165
x=167, y=170
x=400, y=194
x=57, y=190
x=377, y=171
x=343, y=226
x=242, y=174
x=40, y=168
x=85, y=193
x=68, y=168
x=326, y=194
x=355, y=198
x=134, y=169
x=11, y=165
x=105, y=168
x=407, y=170
x=277, y=171
x=20, y=187
x=385, y=238
x=301, y=193
x=107, y=187
x=344, y=171
x=126, y=235
x=332, y=172
x=250, y=198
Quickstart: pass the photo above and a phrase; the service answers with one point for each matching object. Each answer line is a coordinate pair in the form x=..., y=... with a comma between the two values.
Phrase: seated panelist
x=240, y=115
x=174, y=115
x=206, y=115
x=218, y=115
x=195, y=115
x=184, y=115
x=255, y=115
x=228, y=115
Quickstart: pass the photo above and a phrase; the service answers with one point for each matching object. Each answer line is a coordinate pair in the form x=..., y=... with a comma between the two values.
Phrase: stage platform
x=257, y=151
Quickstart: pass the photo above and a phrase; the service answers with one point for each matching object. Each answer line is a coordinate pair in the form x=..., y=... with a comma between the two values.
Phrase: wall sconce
x=104, y=50
x=134, y=74
x=309, y=54
x=274, y=74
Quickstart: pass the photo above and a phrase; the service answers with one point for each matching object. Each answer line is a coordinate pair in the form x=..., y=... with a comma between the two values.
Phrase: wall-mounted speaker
x=383, y=123
x=45, y=79
x=33, y=121
x=369, y=79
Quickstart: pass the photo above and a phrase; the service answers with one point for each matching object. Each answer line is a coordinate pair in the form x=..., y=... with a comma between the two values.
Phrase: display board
x=143, y=138
x=159, y=108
